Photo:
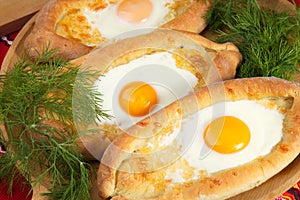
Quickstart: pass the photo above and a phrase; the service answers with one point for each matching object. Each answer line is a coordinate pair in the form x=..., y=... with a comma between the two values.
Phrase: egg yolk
x=135, y=11
x=227, y=135
x=138, y=98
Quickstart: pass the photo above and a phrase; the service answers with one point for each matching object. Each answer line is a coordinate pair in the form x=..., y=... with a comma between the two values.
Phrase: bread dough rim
x=226, y=58
x=226, y=183
x=192, y=19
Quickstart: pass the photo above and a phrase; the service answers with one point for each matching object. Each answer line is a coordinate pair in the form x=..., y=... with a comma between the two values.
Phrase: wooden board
x=15, y=13
x=269, y=190
x=275, y=186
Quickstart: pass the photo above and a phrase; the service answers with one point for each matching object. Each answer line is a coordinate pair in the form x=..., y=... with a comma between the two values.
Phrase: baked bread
x=140, y=164
x=205, y=61
x=76, y=27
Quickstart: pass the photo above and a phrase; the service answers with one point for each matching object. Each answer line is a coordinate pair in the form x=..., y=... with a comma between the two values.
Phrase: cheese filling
x=196, y=158
x=95, y=22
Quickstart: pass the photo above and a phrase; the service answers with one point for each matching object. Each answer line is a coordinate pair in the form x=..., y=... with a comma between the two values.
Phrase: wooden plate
x=269, y=190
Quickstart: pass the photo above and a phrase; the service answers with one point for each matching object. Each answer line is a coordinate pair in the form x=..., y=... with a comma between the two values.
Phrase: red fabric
x=5, y=43
x=21, y=192
x=296, y=1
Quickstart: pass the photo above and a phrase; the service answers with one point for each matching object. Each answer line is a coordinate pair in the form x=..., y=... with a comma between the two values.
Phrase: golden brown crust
x=226, y=57
x=192, y=20
x=220, y=185
x=225, y=61
x=227, y=54
x=44, y=30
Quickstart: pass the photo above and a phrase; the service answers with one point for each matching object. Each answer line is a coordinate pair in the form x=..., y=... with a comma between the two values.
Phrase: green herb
x=269, y=41
x=31, y=94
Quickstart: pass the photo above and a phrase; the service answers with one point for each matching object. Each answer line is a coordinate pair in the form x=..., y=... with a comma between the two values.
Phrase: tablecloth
x=20, y=192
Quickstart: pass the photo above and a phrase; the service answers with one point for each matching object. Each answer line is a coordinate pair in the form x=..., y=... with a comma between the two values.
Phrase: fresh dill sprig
x=268, y=40
x=87, y=99
x=36, y=107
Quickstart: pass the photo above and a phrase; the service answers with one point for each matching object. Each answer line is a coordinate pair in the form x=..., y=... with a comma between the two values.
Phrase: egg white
x=266, y=131
x=158, y=70
x=110, y=25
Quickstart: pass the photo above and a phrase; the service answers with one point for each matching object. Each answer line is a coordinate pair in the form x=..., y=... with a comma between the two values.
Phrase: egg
x=127, y=15
x=133, y=90
x=94, y=22
x=226, y=135
x=135, y=11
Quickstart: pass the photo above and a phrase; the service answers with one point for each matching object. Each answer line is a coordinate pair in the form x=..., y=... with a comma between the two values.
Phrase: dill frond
x=33, y=93
x=269, y=41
